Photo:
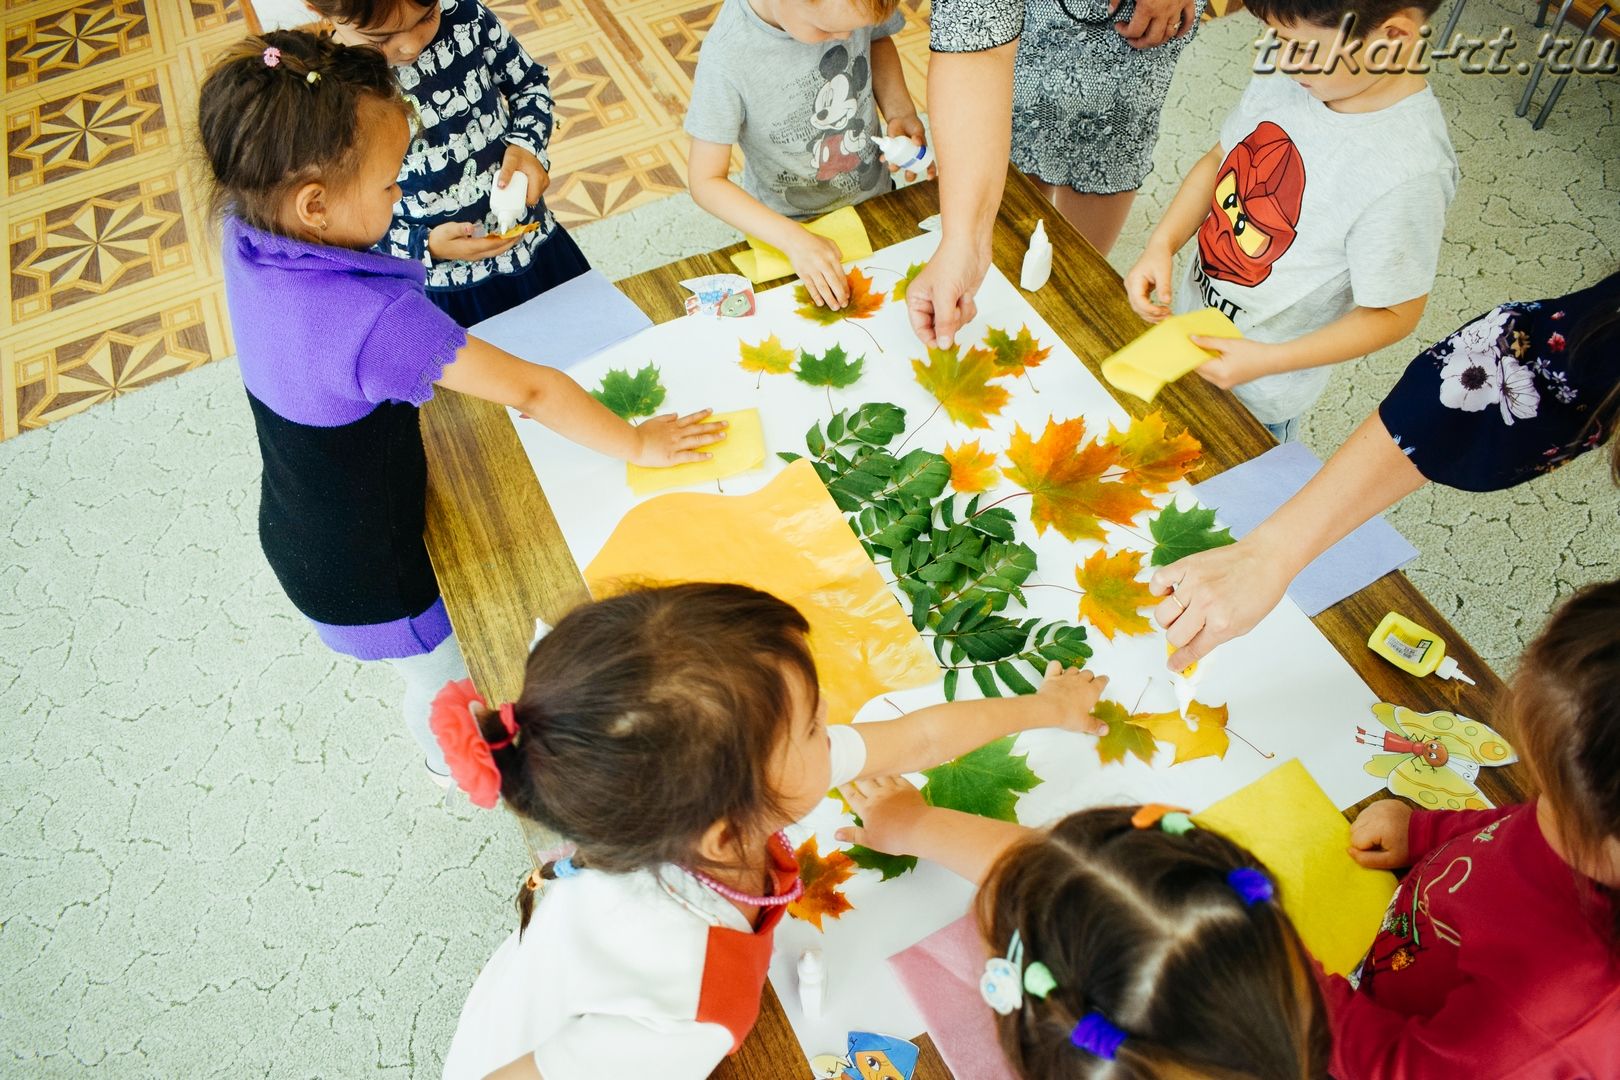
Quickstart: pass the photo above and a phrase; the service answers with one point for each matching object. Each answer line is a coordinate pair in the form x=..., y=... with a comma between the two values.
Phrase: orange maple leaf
x=821, y=877
x=962, y=384
x=1066, y=481
x=766, y=357
x=1015, y=354
x=1209, y=739
x=863, y=302
x=1151, y=457
x=1113, y=597
x=972, y=469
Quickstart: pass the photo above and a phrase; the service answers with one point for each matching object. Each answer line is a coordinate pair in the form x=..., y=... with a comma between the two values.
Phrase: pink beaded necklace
x=738, y=897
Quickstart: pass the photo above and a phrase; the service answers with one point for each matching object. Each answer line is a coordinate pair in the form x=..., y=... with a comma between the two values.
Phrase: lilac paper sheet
x=563, y=326
x=1247, y=494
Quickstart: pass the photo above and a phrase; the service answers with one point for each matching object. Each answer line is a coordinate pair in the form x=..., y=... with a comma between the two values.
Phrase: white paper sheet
x=1289, y=692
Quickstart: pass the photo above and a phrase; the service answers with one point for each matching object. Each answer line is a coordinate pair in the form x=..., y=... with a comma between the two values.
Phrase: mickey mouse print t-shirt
x=804, y=115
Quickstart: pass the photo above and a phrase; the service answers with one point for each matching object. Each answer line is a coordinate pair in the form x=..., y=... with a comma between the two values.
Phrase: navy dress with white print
x=1510, y=396
x=475, y=91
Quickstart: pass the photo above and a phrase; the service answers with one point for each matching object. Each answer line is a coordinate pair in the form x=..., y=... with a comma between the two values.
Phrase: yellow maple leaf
x=961, y=383
x=1067, y=482
x=822, y=876
x=1208, y=739
x=1113, y=597
x=768, y=357
x=972, y=469
x=1150, y=456
x=863, y=302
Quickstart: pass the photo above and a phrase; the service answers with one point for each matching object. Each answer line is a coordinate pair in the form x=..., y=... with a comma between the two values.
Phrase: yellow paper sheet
x=790, y=540
x=742, y=449
x=1287, y=820
x=762, y=262
x=1165, y=353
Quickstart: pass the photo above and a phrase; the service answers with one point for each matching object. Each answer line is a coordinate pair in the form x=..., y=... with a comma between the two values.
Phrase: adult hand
x=819, y=264
x=518, y=159
x=1151, y=274
x=1154, y=22
x=1215, y=596
x=889, y=807
x=1074, y=693
x=911, y=127
x=1240, y=360
x=465, y=240
x=1378, y=835
x=940, y=298
x=674, y=440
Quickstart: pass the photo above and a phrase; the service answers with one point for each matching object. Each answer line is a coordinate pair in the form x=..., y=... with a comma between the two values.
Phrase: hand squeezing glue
x=1414, y=649
x=905, y=154
x=511, y=202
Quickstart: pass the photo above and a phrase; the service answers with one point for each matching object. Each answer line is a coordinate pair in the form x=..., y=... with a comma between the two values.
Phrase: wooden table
x=501, y=560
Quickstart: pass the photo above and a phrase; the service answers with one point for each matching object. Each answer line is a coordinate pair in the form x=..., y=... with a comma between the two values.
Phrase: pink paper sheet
x=941, y=973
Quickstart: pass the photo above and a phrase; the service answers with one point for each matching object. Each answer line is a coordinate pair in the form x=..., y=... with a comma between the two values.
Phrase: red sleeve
x=1429, y=829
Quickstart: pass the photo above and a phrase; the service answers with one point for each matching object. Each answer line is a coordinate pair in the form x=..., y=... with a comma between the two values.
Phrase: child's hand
x=674, y=440
x=888, y=807
x=1150, y=274
x=1072, y=693
x=518, y=159
x=820, y=265
x=1240, y=360
x=1378, y=835
x=912, y=128
x=465, y=240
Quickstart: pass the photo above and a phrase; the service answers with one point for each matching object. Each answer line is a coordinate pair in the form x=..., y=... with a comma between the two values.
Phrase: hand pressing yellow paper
x=742, y=449
x=1287, y=820
x=1165, y=353
x=789, y=539
x=843, y=227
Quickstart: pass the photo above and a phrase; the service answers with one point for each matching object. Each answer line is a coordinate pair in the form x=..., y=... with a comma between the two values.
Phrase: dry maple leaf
x=1015, y=354
x=1113, y=597
x=962, y=384
x=1152, y=458
x=1066, y=481
x=972, y=469
x=863, y=302
x=1209, y=739
x=821, y=877
x=768, y=357
x=1125, y=736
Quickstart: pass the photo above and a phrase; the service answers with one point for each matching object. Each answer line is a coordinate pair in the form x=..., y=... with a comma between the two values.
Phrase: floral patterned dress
x=1513, y=394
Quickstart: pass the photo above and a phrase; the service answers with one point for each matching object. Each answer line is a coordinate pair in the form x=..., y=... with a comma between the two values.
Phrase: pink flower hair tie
x=272, y=56
x=470, y=757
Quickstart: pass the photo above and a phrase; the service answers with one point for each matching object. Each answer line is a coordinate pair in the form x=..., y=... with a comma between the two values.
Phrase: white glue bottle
x=812, y=983
x=905, y=154
x=1037, y=260
x=509, y=203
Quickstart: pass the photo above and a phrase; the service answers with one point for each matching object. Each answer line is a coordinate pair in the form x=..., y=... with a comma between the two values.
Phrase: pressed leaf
x=863, y=302
x=769, y=357
x=1208, y=739
x=832, y=368
x=822, y=875
x=898, y=293
x=1015, y=354
x=1153, y=458
x=1113, y=597
x=1125, y=736
x=1178, y=533
x=629, y=395
x=890, y=866
x=987, y=781
x=961, y=383
x=972, y=468
x=1066, y=481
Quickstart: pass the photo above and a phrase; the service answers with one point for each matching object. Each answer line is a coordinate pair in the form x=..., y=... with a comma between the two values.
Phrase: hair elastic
x=271, y=56
x=509, y=722
x=313, y=77
x=564, y=868
x=1250, y=884
x=1096, y=1034
x=535, y=881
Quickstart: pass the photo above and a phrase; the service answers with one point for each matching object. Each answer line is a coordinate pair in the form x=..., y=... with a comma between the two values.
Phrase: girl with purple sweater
x=339, y=346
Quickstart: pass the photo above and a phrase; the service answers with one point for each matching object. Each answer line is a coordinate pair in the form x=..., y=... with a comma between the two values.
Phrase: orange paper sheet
x=1165, y=353
x=789, y=540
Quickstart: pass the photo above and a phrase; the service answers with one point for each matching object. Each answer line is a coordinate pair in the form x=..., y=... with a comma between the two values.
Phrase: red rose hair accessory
x=471, y=759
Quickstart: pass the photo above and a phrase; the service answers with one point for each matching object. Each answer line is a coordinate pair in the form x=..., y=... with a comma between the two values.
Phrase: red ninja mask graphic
x=1253, y=215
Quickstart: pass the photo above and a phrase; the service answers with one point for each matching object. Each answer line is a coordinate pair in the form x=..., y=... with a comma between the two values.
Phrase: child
x=1318, y=214
x=1500, y=954
x=338, y=347
x=1125, y=942
x=483, y=110
x=793, y=83
x=671, y=733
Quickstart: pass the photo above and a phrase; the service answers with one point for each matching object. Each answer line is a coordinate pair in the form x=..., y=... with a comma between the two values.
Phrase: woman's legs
x=1098, y=217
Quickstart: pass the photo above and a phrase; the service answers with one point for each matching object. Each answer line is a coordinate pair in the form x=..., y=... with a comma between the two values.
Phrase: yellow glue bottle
x=1414, y=649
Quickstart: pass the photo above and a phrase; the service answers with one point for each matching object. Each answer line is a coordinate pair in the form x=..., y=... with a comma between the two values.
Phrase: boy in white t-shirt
x=1320, y=211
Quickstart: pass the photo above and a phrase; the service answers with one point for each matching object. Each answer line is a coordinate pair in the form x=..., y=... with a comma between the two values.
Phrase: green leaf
x=1123, y=736
x=919, y=475
x=1009, y=674
x=629, y=395
x=832, y=368
x=986, y=680
x=1180, y=533
x=890, y=866
x=900, y=287
x=876, y=424
x=950, y=684
x=987, y=781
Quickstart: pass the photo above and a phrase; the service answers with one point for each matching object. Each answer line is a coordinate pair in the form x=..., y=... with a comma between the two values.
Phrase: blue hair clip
x=564, y=868
x=1251, y=885
x=1097, y=1035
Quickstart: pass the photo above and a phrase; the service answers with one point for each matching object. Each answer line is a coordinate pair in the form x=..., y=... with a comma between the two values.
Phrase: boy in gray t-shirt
x=797, y=84
x=1319, y=213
